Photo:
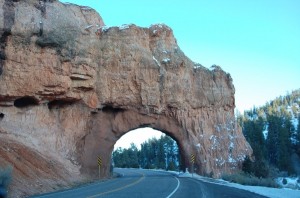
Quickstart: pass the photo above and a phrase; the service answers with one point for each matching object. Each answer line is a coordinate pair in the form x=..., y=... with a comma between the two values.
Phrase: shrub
x=246, y=179
x=5, y=176
x=259, y=168
x=171, y=166
x=284, y=181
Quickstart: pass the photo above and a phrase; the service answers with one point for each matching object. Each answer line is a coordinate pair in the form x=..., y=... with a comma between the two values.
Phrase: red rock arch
x=109, y=126
x=90, y=88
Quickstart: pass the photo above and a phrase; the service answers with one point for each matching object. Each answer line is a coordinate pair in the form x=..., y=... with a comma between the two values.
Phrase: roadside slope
x=32, y=172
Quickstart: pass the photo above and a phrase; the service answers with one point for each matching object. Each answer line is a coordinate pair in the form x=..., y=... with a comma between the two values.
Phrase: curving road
x=148, y=184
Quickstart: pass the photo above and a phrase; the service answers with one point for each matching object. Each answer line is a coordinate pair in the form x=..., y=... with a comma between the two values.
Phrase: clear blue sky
x=256, y=41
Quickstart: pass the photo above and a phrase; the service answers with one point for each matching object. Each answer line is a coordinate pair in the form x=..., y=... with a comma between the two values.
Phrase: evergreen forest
x=272, y=130
x=162, y=153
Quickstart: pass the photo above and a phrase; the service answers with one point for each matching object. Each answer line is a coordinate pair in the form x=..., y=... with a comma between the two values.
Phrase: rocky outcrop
x=70, y=87
x=33, y=172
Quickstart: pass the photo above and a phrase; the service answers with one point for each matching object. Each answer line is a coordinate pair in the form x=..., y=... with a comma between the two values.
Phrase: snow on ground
x=265, y=191
x=166, y=60
x=265, y=131
x=294, y=121
x=288, y=182
x=269, y=192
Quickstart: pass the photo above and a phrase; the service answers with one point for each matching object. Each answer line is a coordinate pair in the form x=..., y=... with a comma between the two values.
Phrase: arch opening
x=147, y=148
x=107, y=127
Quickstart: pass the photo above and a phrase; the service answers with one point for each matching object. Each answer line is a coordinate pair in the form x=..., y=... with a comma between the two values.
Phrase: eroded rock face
x=70, y=87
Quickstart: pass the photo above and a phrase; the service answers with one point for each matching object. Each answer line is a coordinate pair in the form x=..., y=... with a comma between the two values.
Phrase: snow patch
x=67, y=3
x=220, y=162
x=159, y=25
x=86, y=8
x=197, y=65
x=104, y=28
x=214, y=142
x=231, y=160
x=124, y=26
x=198, y=145
x=291, y=182
x=166, y=60
x=294, y=118
x=156, y=61
x=295, y=122
x=241, y=157
x=215, y=67
x=265, y=132
x=294, y=141
x=88, y=27
x=265, y=191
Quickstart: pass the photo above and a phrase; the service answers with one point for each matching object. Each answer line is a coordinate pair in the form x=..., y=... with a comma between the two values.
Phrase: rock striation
x=70, y=87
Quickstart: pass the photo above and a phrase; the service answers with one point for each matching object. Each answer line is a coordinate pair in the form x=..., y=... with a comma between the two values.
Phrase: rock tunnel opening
x=25, y=102
x=147, y=148
x=107, y=126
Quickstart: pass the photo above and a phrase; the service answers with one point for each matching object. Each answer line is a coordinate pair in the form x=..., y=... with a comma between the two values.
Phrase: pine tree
x=253, y=131
x=272, y=139
x=284, y=150
x=277, y=149
x=297, y=146
x=279, y=142
x=171, y=151
x=143, y=155
x=120, y=158
x=133, y=161
x=155, y=153
x=126, y=158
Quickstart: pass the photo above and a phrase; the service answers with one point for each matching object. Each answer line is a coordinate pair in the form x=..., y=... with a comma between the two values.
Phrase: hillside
x=273, y=132
x=33, y=173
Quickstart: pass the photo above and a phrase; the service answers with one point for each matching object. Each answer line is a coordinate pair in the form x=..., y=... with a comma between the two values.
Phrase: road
x=137, y=183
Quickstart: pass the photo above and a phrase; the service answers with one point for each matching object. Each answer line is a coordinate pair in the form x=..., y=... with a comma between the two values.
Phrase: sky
x=131, y=137
x=256, y=41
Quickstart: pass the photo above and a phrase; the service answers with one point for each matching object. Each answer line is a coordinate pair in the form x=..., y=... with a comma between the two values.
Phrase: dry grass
x=245, y=179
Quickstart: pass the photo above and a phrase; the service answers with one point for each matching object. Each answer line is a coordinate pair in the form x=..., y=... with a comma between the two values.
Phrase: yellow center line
x=121, y=188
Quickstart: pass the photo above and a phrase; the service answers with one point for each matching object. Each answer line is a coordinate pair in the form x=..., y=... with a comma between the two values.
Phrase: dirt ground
x=32, y=172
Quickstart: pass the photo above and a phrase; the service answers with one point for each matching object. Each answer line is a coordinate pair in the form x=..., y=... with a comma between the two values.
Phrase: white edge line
x=178, y=184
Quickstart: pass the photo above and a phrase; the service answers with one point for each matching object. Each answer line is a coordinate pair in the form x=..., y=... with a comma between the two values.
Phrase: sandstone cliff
x=70, y=87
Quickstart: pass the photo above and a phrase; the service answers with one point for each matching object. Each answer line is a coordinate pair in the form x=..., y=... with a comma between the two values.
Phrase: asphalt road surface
x=137, y=183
